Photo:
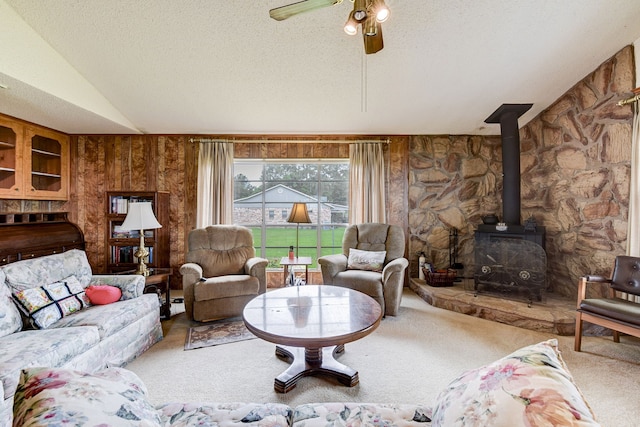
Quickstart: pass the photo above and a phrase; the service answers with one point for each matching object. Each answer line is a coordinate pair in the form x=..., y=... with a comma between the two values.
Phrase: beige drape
x=215, y=184
x=366, y=183
x=633, y=230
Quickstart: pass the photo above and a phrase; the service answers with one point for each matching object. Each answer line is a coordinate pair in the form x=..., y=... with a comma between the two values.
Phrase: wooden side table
x=158, y=282
x=287, y=263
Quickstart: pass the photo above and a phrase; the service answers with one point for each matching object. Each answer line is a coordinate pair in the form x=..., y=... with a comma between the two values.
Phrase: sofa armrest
x=332, y=265
x=131, y=285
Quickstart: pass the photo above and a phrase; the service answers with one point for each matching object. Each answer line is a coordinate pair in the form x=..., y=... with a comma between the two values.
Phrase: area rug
x=217, y=333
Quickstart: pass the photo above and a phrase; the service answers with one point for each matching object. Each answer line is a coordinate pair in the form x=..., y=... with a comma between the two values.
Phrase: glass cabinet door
x=47, y=166
x=10, y=158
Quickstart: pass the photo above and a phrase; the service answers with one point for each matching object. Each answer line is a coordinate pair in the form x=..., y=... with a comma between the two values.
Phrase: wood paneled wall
x=101, y=163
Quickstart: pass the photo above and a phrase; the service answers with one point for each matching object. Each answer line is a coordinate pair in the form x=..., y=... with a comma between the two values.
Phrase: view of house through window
x=265, y=191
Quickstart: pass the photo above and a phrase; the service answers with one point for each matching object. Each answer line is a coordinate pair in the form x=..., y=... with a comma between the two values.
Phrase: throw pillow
x=530, y=387
x=47, y=304
x=103, y=294
x=112, y=397
x=366, y=260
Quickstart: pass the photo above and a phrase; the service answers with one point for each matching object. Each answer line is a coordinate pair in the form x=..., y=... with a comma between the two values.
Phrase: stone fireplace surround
x=555, y=315
x=575, y=165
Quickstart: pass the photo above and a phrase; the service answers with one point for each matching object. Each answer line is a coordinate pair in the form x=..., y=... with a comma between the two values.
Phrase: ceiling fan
x=369, y=14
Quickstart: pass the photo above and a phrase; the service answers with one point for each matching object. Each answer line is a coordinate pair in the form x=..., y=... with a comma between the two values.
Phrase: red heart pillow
x=103, y=294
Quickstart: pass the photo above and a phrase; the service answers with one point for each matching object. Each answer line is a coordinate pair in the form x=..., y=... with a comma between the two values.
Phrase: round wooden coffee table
x=311, y=324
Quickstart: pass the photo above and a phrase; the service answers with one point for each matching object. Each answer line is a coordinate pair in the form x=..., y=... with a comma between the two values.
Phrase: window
x=264, y=187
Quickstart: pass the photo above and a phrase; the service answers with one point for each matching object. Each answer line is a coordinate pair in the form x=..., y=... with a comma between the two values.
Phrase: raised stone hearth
x=555, y=315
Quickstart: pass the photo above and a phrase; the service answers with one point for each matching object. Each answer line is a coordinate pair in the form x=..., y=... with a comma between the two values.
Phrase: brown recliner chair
x=221, y=273
x=611, y=312
x=385, y=286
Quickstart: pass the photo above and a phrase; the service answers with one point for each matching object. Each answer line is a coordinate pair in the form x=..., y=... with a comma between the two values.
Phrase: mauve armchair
x=385, y=286
x=221, y=273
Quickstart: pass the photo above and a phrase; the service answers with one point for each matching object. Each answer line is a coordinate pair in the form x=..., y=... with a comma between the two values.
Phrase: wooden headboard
x=32, y=235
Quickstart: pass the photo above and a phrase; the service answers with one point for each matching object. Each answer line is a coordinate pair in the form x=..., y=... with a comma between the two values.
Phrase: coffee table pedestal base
x=312, y=361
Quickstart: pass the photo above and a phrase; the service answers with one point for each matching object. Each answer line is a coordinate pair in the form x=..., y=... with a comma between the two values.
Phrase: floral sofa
x=88, y=338
x=530, y=387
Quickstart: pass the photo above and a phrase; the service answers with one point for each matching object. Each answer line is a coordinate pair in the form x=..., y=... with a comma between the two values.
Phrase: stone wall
x=575, y=164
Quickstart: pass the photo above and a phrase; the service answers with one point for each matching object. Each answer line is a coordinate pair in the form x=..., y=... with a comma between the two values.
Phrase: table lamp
x=299, y=215
x=140, y=217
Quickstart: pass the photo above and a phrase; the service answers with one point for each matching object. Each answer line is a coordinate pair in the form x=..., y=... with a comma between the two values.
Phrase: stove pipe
x=507, y=115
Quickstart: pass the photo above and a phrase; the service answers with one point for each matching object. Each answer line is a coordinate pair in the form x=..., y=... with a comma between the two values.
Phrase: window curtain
x=366, y=183
x=633, y=231
x=215, y=184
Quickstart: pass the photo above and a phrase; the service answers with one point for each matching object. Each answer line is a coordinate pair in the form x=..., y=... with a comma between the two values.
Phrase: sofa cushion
x=366, y=260
x=530, y=387
x=40, y=271
x=359, y=414
x=119, y=315
x=45, y=347
x=113, y=397
x=10, y=318
x=225, y=414
x=103, y=294
x=47, y=304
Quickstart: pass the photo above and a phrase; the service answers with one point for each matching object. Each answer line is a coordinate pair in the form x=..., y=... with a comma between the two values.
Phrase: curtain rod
x=281, y=141
x=629, y=100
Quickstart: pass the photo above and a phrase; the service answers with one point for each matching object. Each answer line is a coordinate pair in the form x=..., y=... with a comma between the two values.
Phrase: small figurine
x=530, y=224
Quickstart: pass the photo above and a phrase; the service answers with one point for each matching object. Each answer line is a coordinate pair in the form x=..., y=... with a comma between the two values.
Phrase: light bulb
x=351, y=26
x=382, y=15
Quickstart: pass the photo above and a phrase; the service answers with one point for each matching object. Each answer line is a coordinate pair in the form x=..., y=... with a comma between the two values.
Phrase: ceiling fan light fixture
x=370, y=26
x=381, y=10
x=359, y=10
x=351, y=26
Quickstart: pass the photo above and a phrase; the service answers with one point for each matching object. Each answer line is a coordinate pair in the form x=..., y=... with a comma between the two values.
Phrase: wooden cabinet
x=121, y=245
x=34, y=162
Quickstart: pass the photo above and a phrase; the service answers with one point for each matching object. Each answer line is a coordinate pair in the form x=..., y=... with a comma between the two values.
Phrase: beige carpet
x=409, y=358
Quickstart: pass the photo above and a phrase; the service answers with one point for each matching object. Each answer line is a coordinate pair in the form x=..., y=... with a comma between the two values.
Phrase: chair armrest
x=598, y=279
x=332, y=265
x=131, y=285
x=397, y=265
x=191, y=273
x=257, y=267
x=584, y=281
x=253, y=265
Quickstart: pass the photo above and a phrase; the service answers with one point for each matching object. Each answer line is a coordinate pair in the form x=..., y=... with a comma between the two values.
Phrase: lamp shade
x=299, y=214
x=140, y=217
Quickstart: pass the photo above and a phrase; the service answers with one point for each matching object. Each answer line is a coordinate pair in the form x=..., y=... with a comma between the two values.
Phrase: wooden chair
x=611, y=312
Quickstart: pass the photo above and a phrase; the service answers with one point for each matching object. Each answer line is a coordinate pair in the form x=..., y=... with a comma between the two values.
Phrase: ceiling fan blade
x=373, y=44
x=284, y=12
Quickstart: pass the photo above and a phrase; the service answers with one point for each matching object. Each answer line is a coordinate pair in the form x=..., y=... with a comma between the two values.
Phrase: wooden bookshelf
x=120, y=245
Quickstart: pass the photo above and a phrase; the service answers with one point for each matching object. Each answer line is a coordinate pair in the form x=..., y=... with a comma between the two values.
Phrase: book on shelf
x=120, y=204
x=125, y=254
x=119, y=233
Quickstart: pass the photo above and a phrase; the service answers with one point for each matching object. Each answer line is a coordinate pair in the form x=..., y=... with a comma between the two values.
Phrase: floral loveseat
x=530, y=387
x=89, y=338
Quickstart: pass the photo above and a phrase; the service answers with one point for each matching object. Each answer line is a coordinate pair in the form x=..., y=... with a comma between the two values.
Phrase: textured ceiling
x=225, y=67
